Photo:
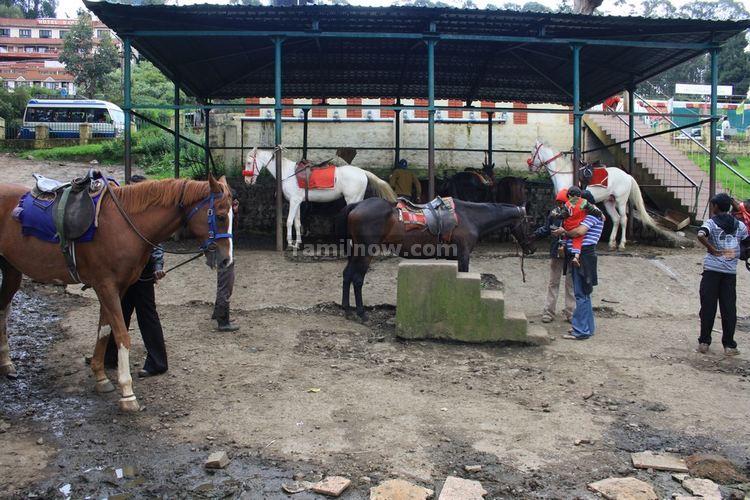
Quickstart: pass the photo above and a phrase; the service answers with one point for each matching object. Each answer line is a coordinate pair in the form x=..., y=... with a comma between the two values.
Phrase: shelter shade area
x=216, y=53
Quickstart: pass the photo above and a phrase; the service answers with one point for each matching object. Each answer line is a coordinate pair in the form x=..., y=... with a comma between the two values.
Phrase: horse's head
x=535, y=162
x=523, y=234
x=256, y=161
x=210, y=220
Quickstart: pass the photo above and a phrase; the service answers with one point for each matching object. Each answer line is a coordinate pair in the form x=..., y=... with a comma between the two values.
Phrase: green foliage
x=13, y=11
x=13, y=104
x=88, y=64
x=84, y=152
x=30, y=9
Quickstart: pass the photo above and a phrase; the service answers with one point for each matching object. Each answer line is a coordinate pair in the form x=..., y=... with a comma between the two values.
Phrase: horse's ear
x=223, y=179
x=213, y=183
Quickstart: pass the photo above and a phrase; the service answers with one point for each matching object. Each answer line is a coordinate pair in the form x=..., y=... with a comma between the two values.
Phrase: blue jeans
x=583, y=317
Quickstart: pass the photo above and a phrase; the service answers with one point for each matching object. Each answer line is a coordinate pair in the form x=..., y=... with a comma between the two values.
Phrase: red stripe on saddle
x=320, y=178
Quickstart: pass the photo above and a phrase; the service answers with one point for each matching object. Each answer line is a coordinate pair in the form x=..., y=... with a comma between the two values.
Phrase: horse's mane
x=137, y=198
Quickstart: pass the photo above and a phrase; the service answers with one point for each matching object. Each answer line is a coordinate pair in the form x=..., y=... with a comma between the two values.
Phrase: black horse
x=373, y=224
x=473, y=184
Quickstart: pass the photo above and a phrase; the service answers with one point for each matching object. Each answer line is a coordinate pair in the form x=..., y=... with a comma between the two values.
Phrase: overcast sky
x=68, y=8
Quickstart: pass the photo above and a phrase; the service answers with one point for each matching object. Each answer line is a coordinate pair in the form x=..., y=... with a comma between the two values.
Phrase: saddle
x=438, y=216
x=320, y=176
x=73, y=208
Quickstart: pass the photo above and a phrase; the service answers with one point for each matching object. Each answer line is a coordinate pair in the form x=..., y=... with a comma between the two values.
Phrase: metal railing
x=657, y=165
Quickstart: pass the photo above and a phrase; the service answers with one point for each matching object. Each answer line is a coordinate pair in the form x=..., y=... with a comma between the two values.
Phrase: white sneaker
x=731, y=351
x=546, y=318
x=702, y=348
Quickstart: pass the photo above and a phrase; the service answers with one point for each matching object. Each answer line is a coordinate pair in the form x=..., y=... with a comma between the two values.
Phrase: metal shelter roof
x=221, y=52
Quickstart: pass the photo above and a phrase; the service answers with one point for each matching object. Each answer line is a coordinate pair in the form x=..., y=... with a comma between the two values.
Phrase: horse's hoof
x=362, y=317
x=621, y=248
x=104, y=386
x=347, y=314
x=129, y=404
x=612, y=248
x=9, y=371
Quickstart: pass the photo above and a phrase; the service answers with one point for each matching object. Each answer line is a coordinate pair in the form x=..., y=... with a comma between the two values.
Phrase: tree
x=13, y=11
x=32, y=9
x=88, y=63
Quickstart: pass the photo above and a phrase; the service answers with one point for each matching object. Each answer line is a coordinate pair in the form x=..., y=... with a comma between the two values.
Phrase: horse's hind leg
x=97, y=362
x=11, y=283
x=623, y=211
x=347, y=285
x=614, y=216
x=359, y=269
x=111, y=312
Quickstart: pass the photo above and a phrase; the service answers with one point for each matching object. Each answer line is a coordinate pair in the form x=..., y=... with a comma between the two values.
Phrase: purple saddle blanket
x=37, y=218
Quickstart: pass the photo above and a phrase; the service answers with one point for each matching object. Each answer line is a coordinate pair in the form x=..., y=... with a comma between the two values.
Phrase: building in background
x=29, y=51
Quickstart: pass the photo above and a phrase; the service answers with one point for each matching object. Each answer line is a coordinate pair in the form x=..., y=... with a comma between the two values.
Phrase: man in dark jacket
x=556, y=266
x=140, y=297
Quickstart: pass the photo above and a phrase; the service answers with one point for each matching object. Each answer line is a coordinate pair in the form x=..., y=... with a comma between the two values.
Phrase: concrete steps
x=436, y=301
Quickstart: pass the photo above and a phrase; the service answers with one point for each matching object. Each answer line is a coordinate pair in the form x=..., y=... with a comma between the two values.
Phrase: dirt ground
x=381, y=407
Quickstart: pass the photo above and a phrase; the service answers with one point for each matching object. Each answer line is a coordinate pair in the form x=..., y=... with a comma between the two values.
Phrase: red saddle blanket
x=600, y=177
x=320, y=177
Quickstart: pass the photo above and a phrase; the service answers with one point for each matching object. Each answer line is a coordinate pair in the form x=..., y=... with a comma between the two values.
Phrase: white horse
x=350, y=182
x=621, y=188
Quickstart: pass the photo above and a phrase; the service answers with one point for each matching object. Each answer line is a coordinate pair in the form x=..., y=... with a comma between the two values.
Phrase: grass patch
x=83, y=152
x=725, y=177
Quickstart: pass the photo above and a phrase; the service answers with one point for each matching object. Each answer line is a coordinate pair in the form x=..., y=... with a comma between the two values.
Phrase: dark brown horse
x=373, y=226
x=114, y=258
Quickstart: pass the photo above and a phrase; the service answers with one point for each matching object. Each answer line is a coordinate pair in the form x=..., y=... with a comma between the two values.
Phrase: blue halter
x=213, y=235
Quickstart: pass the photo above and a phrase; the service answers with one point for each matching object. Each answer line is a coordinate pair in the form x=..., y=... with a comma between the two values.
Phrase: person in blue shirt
x=721, y=235
x=585, y=276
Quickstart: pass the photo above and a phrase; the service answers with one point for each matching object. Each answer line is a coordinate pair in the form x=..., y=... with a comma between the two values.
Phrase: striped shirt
x=593, y=234
x=722, y=241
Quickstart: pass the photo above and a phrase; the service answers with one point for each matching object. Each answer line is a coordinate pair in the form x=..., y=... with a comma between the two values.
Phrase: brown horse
x=374, y=226
x=114, y=258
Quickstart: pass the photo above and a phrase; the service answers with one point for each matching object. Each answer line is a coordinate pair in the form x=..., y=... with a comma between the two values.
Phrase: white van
x=63, y=118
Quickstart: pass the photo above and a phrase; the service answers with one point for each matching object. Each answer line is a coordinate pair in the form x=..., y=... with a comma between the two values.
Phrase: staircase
x=435, y=301
x=666, y=175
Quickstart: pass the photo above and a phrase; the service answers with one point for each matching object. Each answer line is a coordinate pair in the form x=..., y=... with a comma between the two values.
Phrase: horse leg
x=112, y=313
x=347, y=285
x=622, y=208
x=463, y=259
x=293, y=208
x=358, y=278
x=609, y=205
x=11, y=283
x=103, y=385
x=298, y=228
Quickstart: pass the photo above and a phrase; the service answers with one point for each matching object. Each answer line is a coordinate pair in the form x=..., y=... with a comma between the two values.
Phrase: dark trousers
x=719, y=287
x=141, y=298
x=224, y=289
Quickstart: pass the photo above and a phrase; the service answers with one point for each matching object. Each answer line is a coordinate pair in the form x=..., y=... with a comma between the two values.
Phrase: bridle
x=531, y=162
x=213, y=234
x=254, y=168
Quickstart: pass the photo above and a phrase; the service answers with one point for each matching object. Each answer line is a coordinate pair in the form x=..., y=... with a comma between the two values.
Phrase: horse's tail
x=382, y=188
x=637, y=199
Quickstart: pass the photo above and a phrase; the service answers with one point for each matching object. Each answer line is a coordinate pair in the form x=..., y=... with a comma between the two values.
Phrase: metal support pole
x=127, y=106
x=631, y=130
x=397, y=153
x=489, y=138
x=206, y=145
x=714, y=121
x=305, y=112
x=431, y=117
x=176, y=130
x=277, y=42
x=577, y=113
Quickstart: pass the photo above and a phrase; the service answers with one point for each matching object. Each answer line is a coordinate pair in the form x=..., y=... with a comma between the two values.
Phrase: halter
x=254, y=168
x=213, y=234
x=531, y=161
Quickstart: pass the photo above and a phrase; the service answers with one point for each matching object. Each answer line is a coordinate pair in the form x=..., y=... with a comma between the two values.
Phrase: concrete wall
x=555, y=129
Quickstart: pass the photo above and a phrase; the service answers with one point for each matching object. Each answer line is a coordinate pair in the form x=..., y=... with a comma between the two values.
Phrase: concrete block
x=331, y=486
x=619, y=488
x=537, y=335
x=658, y=461
x=217, y=460
x=435, y=301
x=456, y=488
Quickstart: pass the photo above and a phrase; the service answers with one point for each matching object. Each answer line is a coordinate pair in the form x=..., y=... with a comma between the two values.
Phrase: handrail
x=678, y=169
x=704, y=148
